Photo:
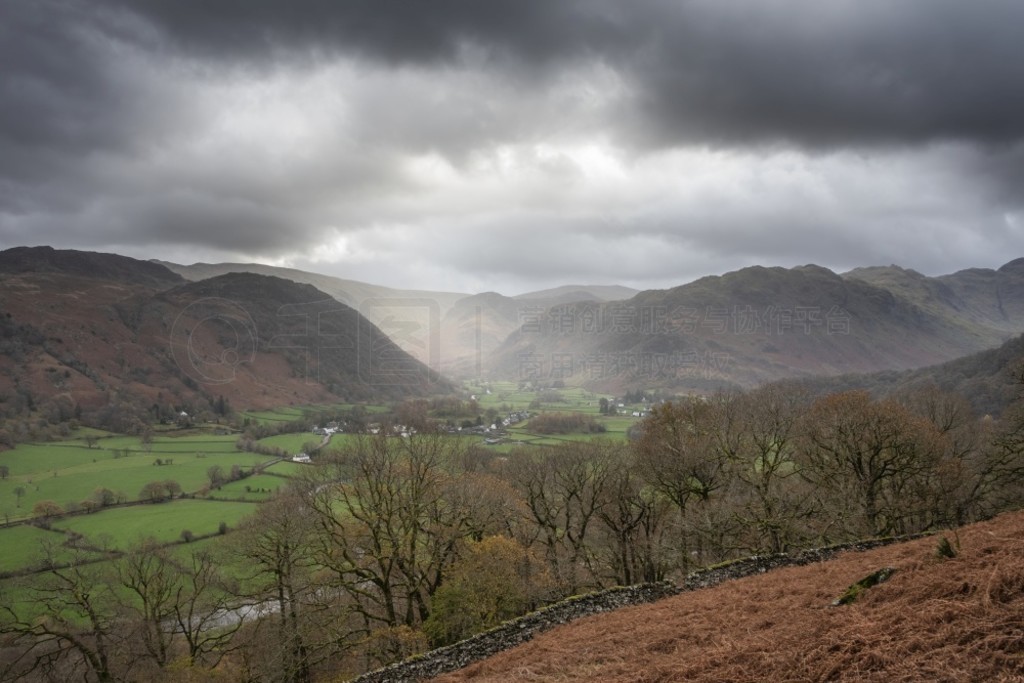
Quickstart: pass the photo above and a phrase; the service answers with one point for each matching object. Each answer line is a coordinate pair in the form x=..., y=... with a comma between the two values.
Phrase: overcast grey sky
x=512, y=145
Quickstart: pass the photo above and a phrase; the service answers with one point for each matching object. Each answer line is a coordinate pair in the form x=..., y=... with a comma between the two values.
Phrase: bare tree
x=761, y=435
x=152, y=586
x=276, y=541
x=680, y=453
x=634, y=523
x=871, y=454
x=392, y=515
x=999, y=466
x=202, y=607
x=64, y=624
x=562, y=490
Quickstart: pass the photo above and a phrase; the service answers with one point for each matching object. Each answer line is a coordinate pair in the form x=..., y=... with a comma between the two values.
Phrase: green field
x=256, y=488
x=291, y=443
x=293, y=413
x=122, y=526
x=508, y=394
x=23, y=546
x=68, y=472
x=276, y=415
x=287, y=468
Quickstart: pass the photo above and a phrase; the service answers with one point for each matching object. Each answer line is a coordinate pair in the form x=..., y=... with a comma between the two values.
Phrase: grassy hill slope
x=986, y=379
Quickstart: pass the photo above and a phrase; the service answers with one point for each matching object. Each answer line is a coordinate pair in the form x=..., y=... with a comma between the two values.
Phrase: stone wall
x=759, y=564
x=515, y=632
x=518, y=631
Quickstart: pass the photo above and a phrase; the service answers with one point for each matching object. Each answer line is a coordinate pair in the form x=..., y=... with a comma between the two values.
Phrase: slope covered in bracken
x=935, y=619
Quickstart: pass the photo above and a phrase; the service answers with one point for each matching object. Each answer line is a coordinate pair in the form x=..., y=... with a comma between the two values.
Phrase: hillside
x=742, y=329
x=350, y=292
x=450, y=331
x=935, y=619
x=573, y=293
x=410, y=317
x=113, y=339
x=476, y=326
x=93, y=265
x=985, y=379
x=757, y=325
x=236, y=323
x=979, y=296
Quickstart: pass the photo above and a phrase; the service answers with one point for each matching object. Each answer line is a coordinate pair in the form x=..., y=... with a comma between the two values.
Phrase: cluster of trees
x=636, y=396
x=45, y=510
x=565, y=423
x=160, y=491
x=144, y=616
x=390, y=545
x=24, y=417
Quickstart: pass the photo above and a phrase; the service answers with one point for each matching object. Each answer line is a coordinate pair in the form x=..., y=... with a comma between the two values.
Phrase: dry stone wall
x=518, y=631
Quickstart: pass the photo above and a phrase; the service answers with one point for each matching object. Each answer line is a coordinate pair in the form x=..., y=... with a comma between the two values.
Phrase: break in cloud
x=516, y=144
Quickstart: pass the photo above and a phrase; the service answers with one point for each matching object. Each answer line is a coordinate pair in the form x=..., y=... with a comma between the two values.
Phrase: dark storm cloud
x=56, y=100
x=724, y=73
x=654, y=132
x=870, y=71
x=55, y=92
x=1001, y=170
x=814, y=73
x=389, y=30
x=837, y=73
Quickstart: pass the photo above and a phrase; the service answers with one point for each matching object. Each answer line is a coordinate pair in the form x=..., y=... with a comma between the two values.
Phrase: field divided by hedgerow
x=120, y=527
x=70, y=472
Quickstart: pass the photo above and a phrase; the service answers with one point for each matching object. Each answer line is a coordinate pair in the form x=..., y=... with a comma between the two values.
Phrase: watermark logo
x=409, y=351
x=626, y=318
x=317, y=335
x=690, y=364
x=211, y=339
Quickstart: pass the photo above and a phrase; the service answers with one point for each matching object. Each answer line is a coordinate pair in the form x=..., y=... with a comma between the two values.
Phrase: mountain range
x=105, y=334
x=762, y=324
x=89, y=329
x=450, y=331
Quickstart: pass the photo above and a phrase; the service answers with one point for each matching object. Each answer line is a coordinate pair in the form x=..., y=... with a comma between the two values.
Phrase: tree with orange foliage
x=495, y=579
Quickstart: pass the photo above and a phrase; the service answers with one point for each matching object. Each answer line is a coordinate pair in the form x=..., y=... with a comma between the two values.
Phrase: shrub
x=945, y=549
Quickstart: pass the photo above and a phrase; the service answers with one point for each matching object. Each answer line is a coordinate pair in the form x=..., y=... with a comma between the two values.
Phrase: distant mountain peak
x=1016, y=266
x=892, y=268
x=816, y=270
x=569, y=293
x=90, y=264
